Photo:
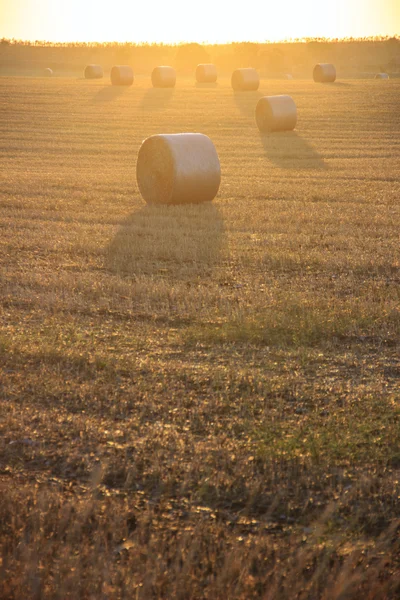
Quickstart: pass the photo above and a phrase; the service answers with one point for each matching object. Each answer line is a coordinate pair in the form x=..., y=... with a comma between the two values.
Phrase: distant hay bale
x=179, y=168
x=93, y=72
x=206, y=73
x=245, y=80
x=121, y=75
x=288, y=76
x=163, y=77
x=381, y=76
x=48, y=72
x=276, y=113
x=324, y=73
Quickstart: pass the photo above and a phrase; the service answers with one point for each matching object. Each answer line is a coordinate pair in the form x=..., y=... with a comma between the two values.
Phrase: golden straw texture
x=180, y=168
x=245, y=80
x=276, y=113
x=93, y=72
x=324, y=73
x=122, y=75
x=206, y=73
x=163, y=77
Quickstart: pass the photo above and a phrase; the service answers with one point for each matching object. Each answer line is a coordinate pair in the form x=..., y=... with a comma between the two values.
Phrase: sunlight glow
x=211, y=21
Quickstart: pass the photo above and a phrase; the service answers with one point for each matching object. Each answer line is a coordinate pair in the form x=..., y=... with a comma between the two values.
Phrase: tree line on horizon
x=271, y=58
x=377, y=38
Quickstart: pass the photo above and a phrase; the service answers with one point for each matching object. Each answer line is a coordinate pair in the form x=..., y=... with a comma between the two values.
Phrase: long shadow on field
x=173, y=242
x=342, y=84
x=247, y=102
x=289, y=150
x=156, y=99
x=205, y=85
x=109, y=93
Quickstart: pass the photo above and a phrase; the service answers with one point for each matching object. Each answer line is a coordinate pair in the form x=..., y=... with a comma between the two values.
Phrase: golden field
x=200, y=401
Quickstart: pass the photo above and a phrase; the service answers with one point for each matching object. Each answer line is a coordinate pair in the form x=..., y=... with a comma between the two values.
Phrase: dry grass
x=199, y=401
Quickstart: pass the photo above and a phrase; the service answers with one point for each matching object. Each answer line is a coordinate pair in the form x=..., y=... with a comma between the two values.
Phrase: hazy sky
x=186, y=20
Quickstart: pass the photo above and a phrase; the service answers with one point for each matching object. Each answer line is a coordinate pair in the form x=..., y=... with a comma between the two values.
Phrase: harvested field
x=199, y=401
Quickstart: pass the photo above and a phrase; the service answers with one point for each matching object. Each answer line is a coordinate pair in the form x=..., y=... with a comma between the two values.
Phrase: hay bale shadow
x=176, y=242
x=247, y=102
x=206, y=85
x=109, y=93
x=156, y=99
x=289, y=150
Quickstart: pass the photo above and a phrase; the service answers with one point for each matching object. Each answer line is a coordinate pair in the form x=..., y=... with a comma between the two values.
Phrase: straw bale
x=93, y=72
x=245, y=80
x=276, y=113
x=180, y=168
x=206, y=73
x=121, y=75
x=324, y=73
x=163, y=77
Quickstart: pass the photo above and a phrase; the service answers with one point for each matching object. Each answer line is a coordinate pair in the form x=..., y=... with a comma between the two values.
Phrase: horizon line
x=304, y=39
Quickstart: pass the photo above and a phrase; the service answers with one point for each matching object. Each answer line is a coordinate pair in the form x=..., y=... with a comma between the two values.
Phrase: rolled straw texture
x=276, y=113
x=121, y=75
x=206, y=73
x=93, y=72
x=324, y=73
x=245, y=80
x=180, y=168
x=163, y=77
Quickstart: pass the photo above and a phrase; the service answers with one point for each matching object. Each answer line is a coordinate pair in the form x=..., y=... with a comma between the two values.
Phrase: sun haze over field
x=178, y=20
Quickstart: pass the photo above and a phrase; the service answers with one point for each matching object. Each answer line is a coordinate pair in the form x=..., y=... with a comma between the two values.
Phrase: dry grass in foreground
x=199, y=402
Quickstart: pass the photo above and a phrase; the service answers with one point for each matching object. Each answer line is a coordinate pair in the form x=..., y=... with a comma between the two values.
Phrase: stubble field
x=199, y=401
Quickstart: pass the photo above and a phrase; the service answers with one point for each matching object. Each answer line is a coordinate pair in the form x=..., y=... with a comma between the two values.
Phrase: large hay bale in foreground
x=245, y=80
x=93, y=72
x=276, y=113
x=324, y=73
x=206, y=73
x=48, y=72
x=163, y=77
x=121, y=75
x=179, y=168
x=381, y=76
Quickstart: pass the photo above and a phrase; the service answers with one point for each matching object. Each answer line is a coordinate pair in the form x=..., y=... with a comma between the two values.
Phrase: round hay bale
x=324, y=73
x=288, y=76
x=381, y=76
x=93, y=72
x=121, y=75
x=163, y=77
x=245, y=80
x=179, y=168
x=276, y=113
x=206, y=73
x=48, y=72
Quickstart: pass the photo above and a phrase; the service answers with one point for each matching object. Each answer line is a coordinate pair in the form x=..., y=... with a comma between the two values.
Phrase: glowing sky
x=186, y=20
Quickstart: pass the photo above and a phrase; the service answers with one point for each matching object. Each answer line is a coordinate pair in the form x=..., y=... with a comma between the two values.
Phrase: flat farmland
x=199, y=401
